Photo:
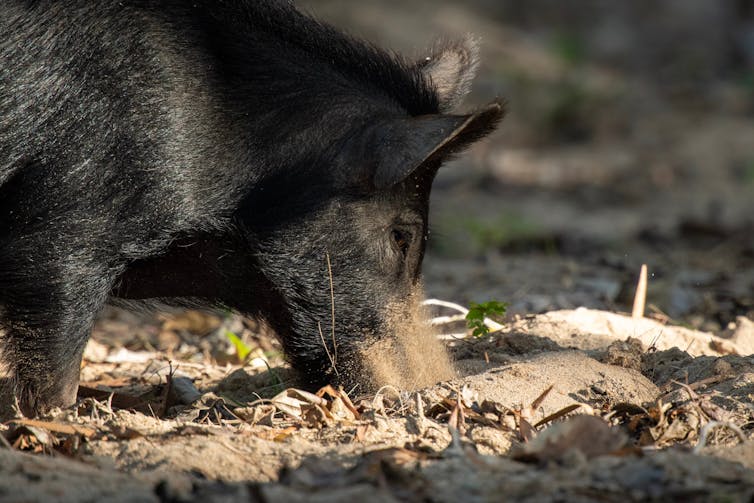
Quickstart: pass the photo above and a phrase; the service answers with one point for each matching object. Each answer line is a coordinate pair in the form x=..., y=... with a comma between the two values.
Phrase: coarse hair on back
x=253, y=32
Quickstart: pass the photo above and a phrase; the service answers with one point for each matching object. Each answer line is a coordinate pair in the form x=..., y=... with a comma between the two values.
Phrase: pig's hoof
x=33, y=401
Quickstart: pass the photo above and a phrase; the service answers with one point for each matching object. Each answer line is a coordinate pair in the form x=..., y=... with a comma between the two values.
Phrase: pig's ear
x=407, y=146
x=450, y=68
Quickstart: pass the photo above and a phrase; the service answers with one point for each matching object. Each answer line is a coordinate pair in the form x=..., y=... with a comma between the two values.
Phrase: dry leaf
x=261, y=414
x=63, y=428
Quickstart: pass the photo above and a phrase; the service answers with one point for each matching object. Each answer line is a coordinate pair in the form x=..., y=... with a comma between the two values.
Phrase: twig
x=444, y=320
x=324, y=344
x=640, y=299
x=557, y=415
x=166, y=393
x=419, y=406
x=711, y=426
x=452, y=337
x=445, y=303
x=332, y=311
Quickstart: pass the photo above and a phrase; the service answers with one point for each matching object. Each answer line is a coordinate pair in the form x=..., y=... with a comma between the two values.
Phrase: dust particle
x=410, y=356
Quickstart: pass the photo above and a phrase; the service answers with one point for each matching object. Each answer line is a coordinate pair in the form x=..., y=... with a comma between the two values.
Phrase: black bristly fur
x=216, y=152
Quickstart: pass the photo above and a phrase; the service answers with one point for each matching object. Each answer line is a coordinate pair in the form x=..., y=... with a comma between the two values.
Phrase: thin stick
x=640, y=299
x=445, y=303
x=445, y=320
x=324, y=344
x=332, y=313
x=453, y=337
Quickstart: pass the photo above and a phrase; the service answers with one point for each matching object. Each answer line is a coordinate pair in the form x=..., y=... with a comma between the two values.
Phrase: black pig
x=219, y=152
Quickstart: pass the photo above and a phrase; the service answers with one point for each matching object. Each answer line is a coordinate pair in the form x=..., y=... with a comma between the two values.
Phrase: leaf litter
x=544, y=413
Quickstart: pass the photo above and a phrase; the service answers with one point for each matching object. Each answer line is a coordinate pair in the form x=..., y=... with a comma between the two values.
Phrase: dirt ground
x=568, y=405
x=603, y=164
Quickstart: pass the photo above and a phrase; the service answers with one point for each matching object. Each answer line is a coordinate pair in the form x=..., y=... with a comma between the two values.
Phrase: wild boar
x=237, y=154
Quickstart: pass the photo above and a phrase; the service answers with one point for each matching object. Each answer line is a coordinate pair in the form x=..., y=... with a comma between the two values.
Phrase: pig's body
x=216, y=152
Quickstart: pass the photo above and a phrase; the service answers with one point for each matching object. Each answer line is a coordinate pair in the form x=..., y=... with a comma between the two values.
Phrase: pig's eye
x=401, y=240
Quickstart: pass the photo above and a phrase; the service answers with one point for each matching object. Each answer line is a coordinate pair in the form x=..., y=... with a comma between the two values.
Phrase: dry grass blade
x=640, y=299
x=167, y=391
x=349, y=404
x=557, y=415
x=541, y=398
x=667, y=388
x=332, y=313
x=457, y=418
x=327, y=350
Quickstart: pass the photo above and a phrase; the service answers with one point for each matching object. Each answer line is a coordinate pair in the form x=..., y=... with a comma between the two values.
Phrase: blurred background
x=629, y=140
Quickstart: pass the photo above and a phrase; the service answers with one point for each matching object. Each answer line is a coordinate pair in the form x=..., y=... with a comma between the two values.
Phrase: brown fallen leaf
x=55, y=427
x=294, y=401
x=33, y=439
x=342, y=398
x=261, y=414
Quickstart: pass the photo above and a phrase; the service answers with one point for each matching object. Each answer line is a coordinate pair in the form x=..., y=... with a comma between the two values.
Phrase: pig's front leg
x=48, y=312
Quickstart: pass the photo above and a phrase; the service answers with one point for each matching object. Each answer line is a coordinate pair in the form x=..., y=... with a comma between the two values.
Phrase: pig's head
x=340, y=240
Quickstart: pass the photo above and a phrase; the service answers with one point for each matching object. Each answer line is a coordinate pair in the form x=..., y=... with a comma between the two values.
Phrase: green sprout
x=478, y=312
x=242, y=350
